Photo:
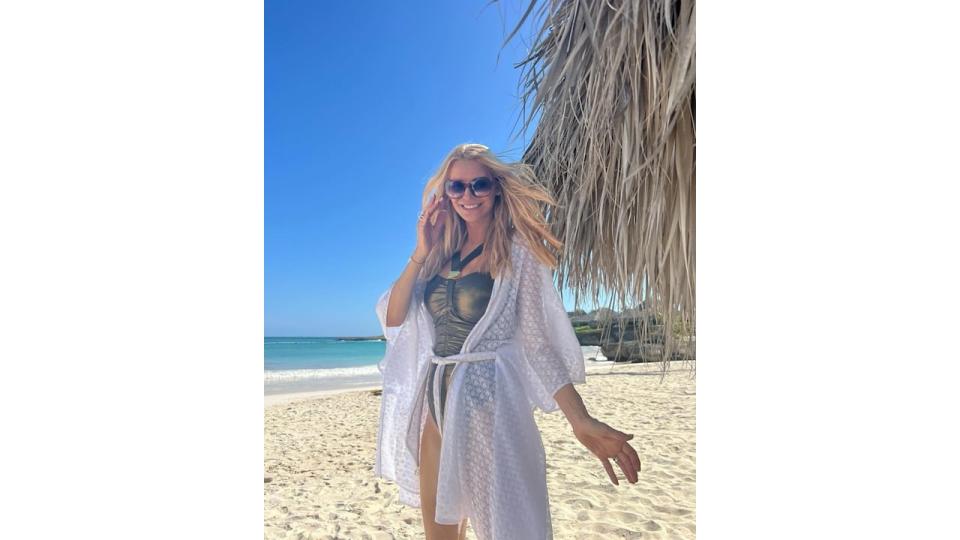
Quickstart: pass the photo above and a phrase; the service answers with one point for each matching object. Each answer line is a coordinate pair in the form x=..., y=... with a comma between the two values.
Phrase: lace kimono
x=492, y=462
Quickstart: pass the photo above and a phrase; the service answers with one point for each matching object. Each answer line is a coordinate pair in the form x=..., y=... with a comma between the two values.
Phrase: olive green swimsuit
x=456, y=306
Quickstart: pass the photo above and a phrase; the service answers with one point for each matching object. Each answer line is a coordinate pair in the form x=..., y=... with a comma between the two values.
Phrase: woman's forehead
x=464, y=169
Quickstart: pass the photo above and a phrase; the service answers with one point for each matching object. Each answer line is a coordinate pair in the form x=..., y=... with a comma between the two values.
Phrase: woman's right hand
x=430, y=226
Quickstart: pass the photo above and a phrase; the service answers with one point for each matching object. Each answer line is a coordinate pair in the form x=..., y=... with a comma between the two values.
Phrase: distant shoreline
x=338, y=338
x=278, y=392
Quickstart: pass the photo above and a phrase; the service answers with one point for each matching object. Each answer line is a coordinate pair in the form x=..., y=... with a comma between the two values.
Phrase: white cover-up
x=492, y=461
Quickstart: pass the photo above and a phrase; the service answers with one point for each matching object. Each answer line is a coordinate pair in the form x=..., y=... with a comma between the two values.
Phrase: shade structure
x=612, y=84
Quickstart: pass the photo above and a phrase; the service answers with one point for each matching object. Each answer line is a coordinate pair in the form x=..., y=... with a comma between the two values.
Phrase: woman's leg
x=429, y=472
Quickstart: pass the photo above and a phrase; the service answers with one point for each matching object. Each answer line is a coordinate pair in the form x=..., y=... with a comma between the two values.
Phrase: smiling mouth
x=474, y=207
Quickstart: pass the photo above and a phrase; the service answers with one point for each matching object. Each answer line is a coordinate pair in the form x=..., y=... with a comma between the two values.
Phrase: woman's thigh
x=429, y=472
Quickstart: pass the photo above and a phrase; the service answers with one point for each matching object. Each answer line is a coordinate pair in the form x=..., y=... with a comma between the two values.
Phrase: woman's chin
x=473, y=217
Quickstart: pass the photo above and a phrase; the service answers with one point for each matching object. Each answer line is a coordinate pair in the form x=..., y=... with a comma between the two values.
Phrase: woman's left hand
x=607, y=443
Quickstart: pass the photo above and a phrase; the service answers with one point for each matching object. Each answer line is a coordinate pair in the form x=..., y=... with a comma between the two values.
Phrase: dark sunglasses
x=481, y=186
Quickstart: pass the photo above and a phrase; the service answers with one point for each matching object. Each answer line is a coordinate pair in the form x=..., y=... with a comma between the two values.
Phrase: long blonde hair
x=516, y=211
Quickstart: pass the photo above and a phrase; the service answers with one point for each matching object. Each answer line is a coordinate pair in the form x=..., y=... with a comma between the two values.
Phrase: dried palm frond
x=613, y=83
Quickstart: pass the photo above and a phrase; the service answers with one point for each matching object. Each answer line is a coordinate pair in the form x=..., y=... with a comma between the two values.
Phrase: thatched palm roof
x=613, y=85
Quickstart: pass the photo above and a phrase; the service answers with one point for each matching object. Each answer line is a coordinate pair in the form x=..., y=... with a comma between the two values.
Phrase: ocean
x=307, y=364
x=304, y=364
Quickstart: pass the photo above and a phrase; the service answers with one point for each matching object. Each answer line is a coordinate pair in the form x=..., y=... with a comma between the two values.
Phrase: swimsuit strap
x=457, y=264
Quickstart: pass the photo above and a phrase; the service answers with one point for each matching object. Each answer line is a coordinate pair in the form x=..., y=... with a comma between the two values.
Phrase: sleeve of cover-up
x=548, y=343
x=407, y=330
x=400, y=369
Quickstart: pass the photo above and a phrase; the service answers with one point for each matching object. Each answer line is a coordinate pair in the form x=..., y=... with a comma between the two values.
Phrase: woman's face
x=466, y=170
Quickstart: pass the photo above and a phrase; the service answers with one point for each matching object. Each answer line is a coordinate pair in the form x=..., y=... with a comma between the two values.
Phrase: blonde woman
x=477, y=338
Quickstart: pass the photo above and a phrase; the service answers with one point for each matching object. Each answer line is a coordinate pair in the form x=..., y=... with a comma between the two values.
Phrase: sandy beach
x=319, y=453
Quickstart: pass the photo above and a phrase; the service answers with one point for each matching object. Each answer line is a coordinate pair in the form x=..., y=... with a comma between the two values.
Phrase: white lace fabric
x=492, y=461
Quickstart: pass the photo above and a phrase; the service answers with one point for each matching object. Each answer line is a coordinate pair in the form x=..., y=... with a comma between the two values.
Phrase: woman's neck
x=476, y=234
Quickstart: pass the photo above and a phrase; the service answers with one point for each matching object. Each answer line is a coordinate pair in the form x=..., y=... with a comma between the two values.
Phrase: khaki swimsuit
x=456, y=306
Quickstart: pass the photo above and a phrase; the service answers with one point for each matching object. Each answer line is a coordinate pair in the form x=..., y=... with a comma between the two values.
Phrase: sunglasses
x=481, y=186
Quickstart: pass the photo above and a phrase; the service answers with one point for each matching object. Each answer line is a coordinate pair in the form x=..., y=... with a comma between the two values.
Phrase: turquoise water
x=291, y=353
x=295, y=364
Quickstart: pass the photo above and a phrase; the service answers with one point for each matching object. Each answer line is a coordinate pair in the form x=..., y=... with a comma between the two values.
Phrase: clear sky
x=363, y=100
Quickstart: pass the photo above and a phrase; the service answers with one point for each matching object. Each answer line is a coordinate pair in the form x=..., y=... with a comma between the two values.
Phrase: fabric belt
x=478, y=356
x=464, y=357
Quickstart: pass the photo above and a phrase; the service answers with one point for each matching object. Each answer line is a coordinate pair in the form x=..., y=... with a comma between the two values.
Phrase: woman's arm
x=602, y=440
x=572, y=405
x=429, y=228
x=399, y=302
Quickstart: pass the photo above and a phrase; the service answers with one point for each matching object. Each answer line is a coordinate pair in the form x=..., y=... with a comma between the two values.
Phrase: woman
x=476, y=329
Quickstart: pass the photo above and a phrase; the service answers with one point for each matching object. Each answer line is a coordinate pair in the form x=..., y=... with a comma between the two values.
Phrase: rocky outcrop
x=621, y=340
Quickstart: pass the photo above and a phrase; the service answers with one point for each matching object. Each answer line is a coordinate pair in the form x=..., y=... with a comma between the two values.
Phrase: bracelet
x=416, y=261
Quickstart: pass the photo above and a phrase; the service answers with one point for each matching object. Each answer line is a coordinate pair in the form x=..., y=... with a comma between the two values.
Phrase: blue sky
x=362, y=101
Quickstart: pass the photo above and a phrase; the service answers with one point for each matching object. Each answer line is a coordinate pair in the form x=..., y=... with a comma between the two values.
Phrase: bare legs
x=429, y=471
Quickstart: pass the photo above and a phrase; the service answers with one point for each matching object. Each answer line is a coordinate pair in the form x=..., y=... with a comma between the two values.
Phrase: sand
x=319, y=452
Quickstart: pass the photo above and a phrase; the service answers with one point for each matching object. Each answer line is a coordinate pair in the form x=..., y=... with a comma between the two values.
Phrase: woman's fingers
x=434, y=206
x=629, y=469
x=434, y=201
x=436, y=216
x=629, y=462
x=610, y=471
x=429, y=207
x=626, y=465
x=632, y=455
